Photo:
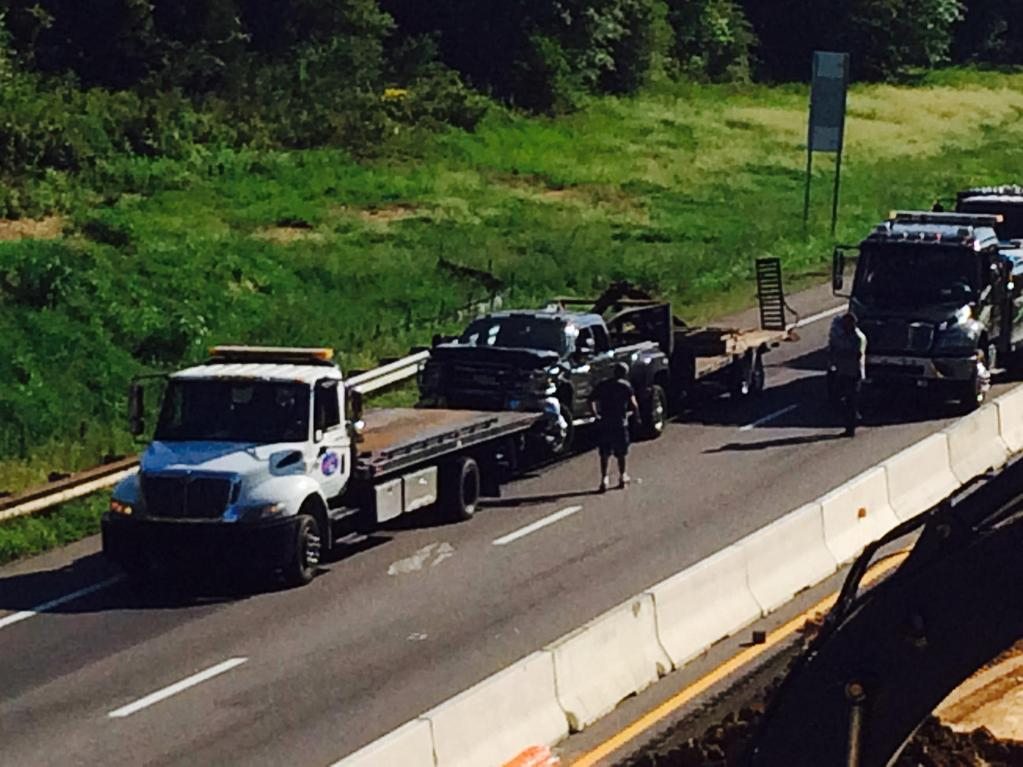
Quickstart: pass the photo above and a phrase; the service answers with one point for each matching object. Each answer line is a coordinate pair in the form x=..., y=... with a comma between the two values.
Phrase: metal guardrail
x=101, y=477
x=74, y=486
x=389, y=374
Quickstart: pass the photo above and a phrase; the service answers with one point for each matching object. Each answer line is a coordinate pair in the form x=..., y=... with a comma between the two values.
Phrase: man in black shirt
x=613, y=402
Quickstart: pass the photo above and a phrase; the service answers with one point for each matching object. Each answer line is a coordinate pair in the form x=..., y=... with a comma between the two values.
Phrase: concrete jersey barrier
x=1010, y=419
x=856, y=514
x=620, y=652
x=788, y=556
x=975, y=444
x=608, y=659
x=703, y=604
x=411, y=745
x=489, y=724
x=920, y=476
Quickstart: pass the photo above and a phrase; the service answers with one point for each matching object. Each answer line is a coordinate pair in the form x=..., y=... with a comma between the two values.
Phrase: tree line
x=81, y=80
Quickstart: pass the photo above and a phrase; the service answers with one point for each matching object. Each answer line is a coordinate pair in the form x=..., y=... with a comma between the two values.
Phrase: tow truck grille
x=898, y=337
x=186, y=497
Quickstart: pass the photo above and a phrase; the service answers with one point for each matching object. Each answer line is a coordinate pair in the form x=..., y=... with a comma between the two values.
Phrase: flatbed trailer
x=727, y=357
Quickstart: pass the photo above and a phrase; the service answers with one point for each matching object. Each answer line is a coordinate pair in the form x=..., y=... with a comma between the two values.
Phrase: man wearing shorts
x=613, y=402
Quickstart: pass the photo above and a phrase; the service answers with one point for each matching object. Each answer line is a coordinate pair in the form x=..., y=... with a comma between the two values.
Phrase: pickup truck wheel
x=302, y=567
x=654, y=412
x=560, y=442
x=460, y=488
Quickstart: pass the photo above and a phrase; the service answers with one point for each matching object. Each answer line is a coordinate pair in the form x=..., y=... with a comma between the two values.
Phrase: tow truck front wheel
x=302, y=567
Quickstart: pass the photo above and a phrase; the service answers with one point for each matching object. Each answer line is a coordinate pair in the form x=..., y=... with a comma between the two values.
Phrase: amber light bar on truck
x=949, y=219
x=282, y=355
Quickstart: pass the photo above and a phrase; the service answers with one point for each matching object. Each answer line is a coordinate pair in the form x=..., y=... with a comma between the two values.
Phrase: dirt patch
x=387, y=213
x=284, y=235
x=49, y=228
x=992, y=698
x=564, y=193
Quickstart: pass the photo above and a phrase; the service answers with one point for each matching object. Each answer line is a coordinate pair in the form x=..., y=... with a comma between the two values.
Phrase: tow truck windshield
x=513, y=332
x=262, y=412
x=905, y=274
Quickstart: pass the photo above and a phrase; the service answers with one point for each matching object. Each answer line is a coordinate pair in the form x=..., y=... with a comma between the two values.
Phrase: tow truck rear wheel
x=460, y=488
x=302, y=567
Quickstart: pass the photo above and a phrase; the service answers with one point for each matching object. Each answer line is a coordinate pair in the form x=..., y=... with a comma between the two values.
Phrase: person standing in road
x=613, y=402
x=848, y=348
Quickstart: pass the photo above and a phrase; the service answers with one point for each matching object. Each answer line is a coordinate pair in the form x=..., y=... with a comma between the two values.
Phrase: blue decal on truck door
x=330, y=463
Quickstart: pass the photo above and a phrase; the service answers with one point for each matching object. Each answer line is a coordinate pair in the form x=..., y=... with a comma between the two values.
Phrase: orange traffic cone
x=535, y=756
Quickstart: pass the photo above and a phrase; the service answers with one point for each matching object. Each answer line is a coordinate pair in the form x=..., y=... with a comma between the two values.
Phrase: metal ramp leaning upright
x=770, y=294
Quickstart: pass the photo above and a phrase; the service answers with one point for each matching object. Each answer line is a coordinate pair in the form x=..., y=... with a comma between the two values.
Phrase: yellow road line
x=727, y=668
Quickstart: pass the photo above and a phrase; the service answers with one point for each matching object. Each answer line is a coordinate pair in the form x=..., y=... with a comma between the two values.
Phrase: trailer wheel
x=460, y=488
x=654, y=412
x=302, y=567
x=749, y=374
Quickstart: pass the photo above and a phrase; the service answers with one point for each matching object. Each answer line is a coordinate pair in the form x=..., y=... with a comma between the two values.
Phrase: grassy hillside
x=678, y=189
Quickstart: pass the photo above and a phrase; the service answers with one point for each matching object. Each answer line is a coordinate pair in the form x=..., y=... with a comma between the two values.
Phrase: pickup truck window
x=234, y=411
x=908, y=274
x=513, y=332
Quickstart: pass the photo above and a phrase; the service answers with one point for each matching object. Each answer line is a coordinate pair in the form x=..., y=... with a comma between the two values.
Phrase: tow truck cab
x=254, y=444
x=934, y=294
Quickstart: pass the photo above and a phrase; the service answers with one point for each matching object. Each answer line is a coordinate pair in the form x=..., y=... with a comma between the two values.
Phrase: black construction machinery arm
x=884, y=660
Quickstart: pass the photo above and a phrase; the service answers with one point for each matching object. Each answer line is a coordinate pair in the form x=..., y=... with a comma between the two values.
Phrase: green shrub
x=712, y=39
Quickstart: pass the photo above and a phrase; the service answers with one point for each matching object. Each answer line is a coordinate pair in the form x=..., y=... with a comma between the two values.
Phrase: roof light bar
x=285, y=355
x=951, y=219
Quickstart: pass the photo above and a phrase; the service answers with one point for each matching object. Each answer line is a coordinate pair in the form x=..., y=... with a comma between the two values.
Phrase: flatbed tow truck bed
x=396, y=439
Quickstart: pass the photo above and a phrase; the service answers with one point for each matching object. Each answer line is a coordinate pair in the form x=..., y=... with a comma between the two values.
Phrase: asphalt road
x=412, y=616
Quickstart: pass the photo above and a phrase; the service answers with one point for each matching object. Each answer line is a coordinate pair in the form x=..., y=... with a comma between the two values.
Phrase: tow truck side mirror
x=837, y=270
x=355, y=405
x=137, y=409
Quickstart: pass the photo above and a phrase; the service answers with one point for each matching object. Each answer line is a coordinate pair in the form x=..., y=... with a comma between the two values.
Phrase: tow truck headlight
x=118, y=507
x=961, y=317
x=262, y=510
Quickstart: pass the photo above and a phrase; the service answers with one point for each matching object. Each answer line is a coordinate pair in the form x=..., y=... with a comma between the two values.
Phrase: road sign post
x=827, y=121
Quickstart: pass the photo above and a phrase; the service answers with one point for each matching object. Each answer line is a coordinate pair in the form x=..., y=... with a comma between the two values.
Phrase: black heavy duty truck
x=938, y=298
x=1004, y=201
x=552, y=360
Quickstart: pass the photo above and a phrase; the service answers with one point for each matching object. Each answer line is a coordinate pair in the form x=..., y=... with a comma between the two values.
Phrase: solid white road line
x=819, y=316
x=522, y=532
x=769, y=417
x=17, y=617
x=175, y=688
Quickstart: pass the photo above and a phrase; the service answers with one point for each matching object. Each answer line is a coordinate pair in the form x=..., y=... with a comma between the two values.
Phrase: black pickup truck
x=552, y=360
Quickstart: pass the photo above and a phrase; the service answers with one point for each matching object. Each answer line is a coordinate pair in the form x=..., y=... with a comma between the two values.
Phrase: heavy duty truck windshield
x=234, y=411
x=904, y=274
x=518, y=333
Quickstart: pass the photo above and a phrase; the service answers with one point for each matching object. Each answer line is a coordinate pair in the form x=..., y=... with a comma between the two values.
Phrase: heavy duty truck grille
x=898, y=337
x=186, y=497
